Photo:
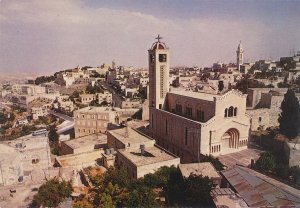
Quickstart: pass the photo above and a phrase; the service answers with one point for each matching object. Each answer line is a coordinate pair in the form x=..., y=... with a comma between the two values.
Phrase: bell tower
x=159, y=64
x=239, y=56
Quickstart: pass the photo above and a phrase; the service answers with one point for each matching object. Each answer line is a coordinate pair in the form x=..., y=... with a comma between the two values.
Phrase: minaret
x=239, y=56
x=159, y=64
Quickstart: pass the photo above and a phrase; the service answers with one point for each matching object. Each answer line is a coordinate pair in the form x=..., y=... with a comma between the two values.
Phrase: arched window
x=235, y=111
x=230, y=111
x=226, y=112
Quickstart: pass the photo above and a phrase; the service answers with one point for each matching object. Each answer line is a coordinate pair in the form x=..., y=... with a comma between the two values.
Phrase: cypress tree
x=289, y=120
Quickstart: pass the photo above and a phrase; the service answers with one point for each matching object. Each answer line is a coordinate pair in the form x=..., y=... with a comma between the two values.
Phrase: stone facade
x=137, y=153
x=263, y=106
x=191, y=124
x=92, y=120
x=87, y=98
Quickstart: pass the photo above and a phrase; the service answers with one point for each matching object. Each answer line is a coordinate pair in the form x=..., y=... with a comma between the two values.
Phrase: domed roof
x=158, y=44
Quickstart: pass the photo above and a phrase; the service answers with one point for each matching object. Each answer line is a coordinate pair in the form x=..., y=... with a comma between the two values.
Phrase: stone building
x=263, y=106
x=83, y=144
x=92, y=120
x=204, y=169
x=138, y=153
x=191, y=124
x=292, y=151
x=87, y=98
x=22, y=157
x=105, y=96
x=36, y=112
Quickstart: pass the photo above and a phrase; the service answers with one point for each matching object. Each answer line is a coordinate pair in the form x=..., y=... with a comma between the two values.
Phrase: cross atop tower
x=158, y=38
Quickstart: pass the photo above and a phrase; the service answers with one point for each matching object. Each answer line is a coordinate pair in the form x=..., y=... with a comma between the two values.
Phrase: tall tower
x=239, y=56
x=159, y=64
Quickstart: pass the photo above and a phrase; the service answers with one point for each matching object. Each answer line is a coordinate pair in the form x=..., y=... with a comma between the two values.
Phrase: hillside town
x=225, y=123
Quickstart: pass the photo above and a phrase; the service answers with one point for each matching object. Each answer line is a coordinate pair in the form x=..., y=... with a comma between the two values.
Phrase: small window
x=162, y=57
x=35, y=161
x=179, y=108
x=188, y=111
x=200, y=115
x=259, y=119
x=166, y=127
x=235, y=112
x=186, y=136
x=230, y=111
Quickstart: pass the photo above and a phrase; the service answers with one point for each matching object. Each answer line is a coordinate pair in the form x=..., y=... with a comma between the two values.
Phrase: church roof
x=204, y=95
x=158, y=44
x=197, y=95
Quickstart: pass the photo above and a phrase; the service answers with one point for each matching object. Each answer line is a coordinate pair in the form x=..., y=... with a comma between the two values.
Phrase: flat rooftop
x=80, y=160
x=103, y=109
x=29, y=142
x=96, y=109
x=128, y=135
x=152, y=155
x=91, y=139
x=204, y=169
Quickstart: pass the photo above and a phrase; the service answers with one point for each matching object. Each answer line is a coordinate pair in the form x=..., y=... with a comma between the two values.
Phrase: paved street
x=117, y=100
x=62, y=116
x=69, y=125
x=69, y=122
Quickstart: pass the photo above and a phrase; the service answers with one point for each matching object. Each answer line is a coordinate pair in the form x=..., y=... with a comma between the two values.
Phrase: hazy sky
x=44, y=36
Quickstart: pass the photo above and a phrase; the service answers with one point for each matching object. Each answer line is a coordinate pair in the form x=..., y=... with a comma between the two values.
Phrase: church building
x=191, y=124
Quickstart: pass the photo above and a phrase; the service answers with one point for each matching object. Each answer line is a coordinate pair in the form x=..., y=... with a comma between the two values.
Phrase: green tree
x=83, y=203
x=197, y=191
x=221, y=86
x=174, y=189
x=160, y=178
x=294, y=172
x=74, y=95
x=106, y=201
x=44, y=79
x=111, y=196
x=104, y=103
x=266, y=162
x=116, y=176
x=289, y=120
x=246, y=83
x=94, y=103
x=53, y=135
x=53, y=192
x=141, y=196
